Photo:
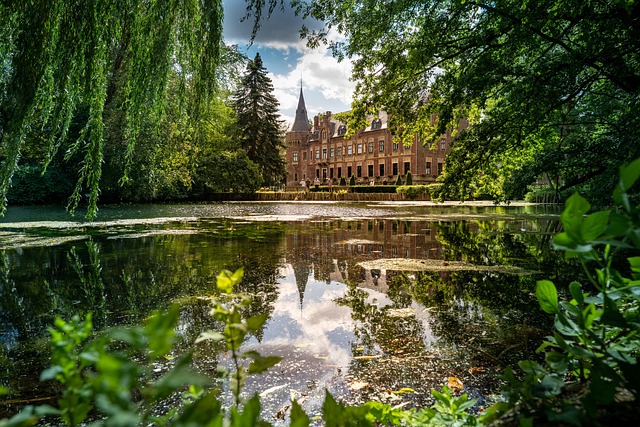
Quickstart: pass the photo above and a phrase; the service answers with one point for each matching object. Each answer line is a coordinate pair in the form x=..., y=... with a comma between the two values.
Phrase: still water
x=364, y=299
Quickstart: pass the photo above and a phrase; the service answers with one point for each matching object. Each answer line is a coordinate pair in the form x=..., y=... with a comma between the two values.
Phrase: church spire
x=301, y=122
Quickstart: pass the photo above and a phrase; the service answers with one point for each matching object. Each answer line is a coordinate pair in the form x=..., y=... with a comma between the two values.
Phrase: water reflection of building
x=330, y=250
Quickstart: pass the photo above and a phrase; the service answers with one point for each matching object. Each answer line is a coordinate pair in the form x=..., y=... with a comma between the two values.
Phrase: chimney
x=315, y=122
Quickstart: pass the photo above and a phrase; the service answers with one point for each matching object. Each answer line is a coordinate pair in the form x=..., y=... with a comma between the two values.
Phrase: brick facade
x=370, y=154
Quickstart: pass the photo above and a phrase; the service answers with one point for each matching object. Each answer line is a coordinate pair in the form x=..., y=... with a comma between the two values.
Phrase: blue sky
x=326, y=82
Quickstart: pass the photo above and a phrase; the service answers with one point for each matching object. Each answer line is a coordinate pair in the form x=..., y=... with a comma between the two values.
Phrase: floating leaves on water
x=272, y=390
x=408, y=264
x=405, y=390
x=367, y=357
x=455, y=383
x=358, y=385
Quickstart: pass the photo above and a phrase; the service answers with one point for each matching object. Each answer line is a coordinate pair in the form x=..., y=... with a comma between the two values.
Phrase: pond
x=363, y=299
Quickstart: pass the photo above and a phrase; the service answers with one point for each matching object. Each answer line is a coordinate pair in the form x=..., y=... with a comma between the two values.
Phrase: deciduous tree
x=56, y=56
x=552, y=87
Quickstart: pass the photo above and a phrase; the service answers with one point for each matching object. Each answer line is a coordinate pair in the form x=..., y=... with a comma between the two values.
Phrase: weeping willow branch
x=59, y=57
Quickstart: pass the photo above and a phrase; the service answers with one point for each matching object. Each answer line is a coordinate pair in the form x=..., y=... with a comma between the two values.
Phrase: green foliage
x=226, y=171
x=399, y=181
x=374, y=189
x=544, y=195
x=229, y=311
x=343, y=181
x=550, y=88
x=34, y=185
x=408, y=178
x=58, y=58
x=352, y=180
x=413, y=191
x=259, y=130
x=597, y=334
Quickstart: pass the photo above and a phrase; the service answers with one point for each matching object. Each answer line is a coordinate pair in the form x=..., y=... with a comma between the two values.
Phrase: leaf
x=455, y=383
x=612, y=315
x=299, y=418
x=575, y=209
x=594, y=225
x=629, y=174
x=547, y=296
x=576, y=292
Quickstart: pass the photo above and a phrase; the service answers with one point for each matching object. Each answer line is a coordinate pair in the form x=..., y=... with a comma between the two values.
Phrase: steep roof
x=301, y=123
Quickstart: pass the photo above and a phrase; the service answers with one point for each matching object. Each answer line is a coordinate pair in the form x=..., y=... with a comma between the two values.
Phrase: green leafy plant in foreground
x=591, y=360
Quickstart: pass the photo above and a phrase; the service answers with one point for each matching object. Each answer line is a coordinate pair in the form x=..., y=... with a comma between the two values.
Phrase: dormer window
x=376, y=124
x=342, y=129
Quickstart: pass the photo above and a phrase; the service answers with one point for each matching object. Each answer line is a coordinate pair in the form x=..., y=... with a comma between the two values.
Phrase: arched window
x=342, y=129
x=376, y=124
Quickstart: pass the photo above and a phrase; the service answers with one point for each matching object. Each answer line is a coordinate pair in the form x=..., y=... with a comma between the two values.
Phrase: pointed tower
x=301, y=123
x=297, y=143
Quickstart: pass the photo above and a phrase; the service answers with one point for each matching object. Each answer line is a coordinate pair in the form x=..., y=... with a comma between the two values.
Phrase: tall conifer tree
x=260, y=131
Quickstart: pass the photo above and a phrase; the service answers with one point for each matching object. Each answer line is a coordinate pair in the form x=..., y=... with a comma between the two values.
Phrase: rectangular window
x=295, y=177
x=330, y=172
x=439, y=168
x=340, y=151
x=395, y=168
x=324, y=153
x=349, y=150
x=443, y=144
x=324, y=175
x=331, y=153
x=370, y=170
x=349, y=172
x=381, y=146
x=407, y=167
x=381, y=169
x=339, y=172
x=359, y=148
x=317, y=154
x=295, y=156
x=395, y=146
x=304, y=155
x=359, y=171
x=428, y=168
x=370, y=150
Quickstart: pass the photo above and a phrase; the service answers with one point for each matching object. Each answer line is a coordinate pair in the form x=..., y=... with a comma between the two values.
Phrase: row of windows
x=333, y=152
x=370, y=170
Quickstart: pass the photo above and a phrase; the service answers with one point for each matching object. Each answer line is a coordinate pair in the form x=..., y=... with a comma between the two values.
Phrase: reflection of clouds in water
x=320, y=327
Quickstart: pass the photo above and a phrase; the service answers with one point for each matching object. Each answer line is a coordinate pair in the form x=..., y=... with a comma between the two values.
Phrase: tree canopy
x=60, y=58
x=551, y=87
x=259, y=129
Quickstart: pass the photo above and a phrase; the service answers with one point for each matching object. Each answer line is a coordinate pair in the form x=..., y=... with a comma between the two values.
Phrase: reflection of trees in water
x=121, y=280
x=494, y=315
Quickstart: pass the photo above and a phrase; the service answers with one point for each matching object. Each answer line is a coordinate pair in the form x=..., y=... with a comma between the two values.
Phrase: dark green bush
x=352, y=180
x=374, y=189
x=399, y=180
x=413, y=191
x=409, y=178
x=30, y=186
x=343, y=181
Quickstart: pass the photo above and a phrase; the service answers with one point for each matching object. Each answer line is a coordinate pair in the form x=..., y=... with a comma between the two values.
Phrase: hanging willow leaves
x=57, y=57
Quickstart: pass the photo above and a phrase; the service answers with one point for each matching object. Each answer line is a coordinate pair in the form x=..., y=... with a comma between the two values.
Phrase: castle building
x=320, y=150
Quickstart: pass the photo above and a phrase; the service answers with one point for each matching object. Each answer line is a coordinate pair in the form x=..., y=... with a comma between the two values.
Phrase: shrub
x=31, y=186
x=399, y=180
x=412, y=191
x=544, y=195
x=352, y=180
x=343, y=181
x=374, y=189
x=409, y=178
